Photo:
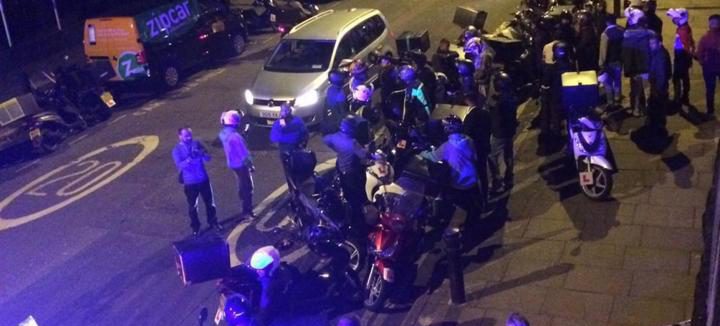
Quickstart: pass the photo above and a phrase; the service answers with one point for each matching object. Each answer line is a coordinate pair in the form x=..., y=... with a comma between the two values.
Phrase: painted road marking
x=77, y=140
x=26, y=166
x=117, y=119
x=75, y=180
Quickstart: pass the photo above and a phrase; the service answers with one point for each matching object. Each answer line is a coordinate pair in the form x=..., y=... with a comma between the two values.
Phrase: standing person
x=635, y=58
x=426, y=75
x=477, y=125
x=361, y=104
x=238, y=159
x=416, y=102
x=388, y=78
x=482, y=56
x=190, y=157
x=358, y=74
x=290, y=133
x=654, y=23
x=444, y=61
x=587, y=43
x=551, y=102
x=659, y=78
x=459, y=153
x=336, y=103
x=350, y=164
x=503, y=115
x=610, y=59
x=684, y=47
x=708, y=53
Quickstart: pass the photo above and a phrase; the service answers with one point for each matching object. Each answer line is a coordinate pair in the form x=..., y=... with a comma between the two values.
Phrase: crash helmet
x=465, y=67
x=634, y=15
x=336, y=77
x=566, y=17
x=560, y=50
x=452, y=124
x=501, y=81
x=285, y=110
x=265, y=259
x=407, y=74
x=584, y=18
x=362, y=93
x=679, y=16
x=238, y=310
x=379, y=156
x=358, y=67
x=230, y=118
x=347, y=125
x=474, y=45
x=470, y=32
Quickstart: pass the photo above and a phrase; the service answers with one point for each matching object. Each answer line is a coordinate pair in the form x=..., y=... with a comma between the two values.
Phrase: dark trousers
x=711, y=78
x=469, y=200
x=191, y=194
x=637, y=94
x=353, y=187
x=681, y=76
x=657, y=110
x=245, y=188
x=501, y=148
x=482, y=169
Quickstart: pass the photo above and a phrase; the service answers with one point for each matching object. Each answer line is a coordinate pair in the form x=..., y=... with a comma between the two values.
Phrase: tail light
x=140, y=57
x=203, y=36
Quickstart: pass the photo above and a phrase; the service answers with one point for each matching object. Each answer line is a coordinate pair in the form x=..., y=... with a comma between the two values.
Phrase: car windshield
x=301, y=56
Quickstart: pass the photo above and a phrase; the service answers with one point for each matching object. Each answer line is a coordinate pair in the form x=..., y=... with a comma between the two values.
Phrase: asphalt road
x=86, y=232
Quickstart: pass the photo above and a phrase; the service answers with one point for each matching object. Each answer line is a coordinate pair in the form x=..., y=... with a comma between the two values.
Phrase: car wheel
x=238, y=44
x=52, y=136
x=170, y=77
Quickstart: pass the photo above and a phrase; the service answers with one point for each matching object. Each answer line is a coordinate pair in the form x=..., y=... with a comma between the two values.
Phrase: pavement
x=561, y=259
x=87, y=231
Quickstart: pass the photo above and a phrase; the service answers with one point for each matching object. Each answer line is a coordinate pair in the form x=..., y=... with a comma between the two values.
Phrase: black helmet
x=407, y=74
x=560, y=50
x=418, y=57
x=347, y=125
x=452, y=124
x=501, y=81
x=336, y=77
x=465, y=67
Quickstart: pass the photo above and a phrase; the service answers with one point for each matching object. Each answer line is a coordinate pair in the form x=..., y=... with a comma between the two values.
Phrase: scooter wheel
x=376, y=291
x=52, y=137
x=602, y=183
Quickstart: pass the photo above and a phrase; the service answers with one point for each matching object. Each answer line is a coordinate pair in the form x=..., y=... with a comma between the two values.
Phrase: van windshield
x=301, y=56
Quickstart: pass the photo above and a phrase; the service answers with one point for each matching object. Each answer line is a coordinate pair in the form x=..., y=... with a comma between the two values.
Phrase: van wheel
x=169, y=77
x=238, y=44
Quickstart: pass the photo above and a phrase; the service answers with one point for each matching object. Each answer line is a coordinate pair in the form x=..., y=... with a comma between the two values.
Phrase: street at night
x=87, y=231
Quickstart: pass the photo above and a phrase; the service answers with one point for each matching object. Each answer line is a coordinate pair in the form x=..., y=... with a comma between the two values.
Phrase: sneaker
x=248, y=215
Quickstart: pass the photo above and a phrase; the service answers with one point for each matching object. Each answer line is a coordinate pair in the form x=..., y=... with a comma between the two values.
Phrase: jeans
x=711, y=78
x=501, y=148
x=353, y=187
x=681, y=76
x=613, y=84
x=637, y=94
x=191, y=194
x=245, y=188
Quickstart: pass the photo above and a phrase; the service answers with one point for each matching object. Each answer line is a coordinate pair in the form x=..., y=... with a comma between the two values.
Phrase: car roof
x=329, y=24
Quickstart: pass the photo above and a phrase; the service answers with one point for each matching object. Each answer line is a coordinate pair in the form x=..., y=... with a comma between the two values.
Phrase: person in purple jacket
x=238, y=159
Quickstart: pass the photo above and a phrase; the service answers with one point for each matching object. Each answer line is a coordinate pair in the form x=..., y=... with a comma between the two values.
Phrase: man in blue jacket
x=290, y=133
x=190, y=157
x=238, y=158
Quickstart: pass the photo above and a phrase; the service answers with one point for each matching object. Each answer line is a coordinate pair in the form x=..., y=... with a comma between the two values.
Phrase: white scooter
x=589, y=145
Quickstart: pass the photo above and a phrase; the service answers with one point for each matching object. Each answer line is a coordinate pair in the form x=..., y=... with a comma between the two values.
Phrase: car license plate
x=273, y=18
x=586, y=179
x=108, y=99
x=270, y=114
x=35, y=133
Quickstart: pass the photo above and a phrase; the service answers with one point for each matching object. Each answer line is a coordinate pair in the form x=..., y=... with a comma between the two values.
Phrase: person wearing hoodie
x=659, y=79
x=635, y=57
x=684, y=47
x=460, y=155
x=609, y=62
x=708, y=53
x=238, y=158
x=654, y=23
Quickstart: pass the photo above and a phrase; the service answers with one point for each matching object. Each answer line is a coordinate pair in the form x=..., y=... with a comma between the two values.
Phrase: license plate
x=586, y=178
x=108, y=99
x=273, y=18
x=269, y=114
x=35, y=133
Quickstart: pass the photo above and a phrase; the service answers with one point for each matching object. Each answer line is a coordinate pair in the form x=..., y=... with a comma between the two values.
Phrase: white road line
x=76, y=140
x=27, y=166
x=117, y=119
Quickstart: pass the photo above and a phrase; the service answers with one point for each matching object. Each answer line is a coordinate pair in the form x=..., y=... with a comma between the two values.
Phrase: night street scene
x=358, y=162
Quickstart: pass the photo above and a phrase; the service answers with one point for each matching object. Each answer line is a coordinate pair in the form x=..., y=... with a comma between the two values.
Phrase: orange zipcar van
x=160, y=43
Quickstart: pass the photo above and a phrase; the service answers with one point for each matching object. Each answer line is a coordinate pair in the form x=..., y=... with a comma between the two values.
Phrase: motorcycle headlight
x=249, y=98
x=307, y=99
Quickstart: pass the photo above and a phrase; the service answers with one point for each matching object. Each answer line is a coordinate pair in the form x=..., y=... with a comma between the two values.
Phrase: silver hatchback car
x=297, y=71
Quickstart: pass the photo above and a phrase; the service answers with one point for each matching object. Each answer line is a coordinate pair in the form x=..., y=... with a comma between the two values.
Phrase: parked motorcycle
x=23, y=122
x=590, y=147
x=268, y=14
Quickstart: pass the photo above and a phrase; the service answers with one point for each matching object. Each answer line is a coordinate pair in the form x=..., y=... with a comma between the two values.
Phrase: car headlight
x=249, y=98
x=307, y=99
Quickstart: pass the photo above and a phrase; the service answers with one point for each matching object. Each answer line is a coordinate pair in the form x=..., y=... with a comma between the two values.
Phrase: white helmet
x=633, y=15
x=230, y=118
x=362, y=93
x=264, y=257
x=679, y=14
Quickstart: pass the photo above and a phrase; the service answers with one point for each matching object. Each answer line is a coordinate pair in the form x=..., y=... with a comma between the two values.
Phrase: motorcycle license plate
x=108, y=99
x=35, y=134
x=586, y=178
x=273, y=18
